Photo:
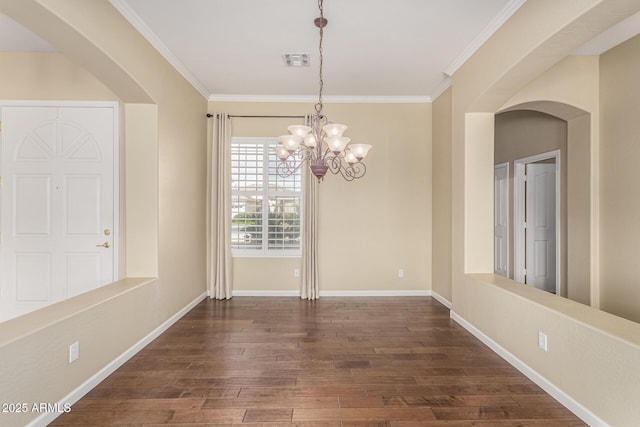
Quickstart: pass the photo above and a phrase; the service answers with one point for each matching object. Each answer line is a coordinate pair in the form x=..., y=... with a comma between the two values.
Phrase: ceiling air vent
x=296, y=59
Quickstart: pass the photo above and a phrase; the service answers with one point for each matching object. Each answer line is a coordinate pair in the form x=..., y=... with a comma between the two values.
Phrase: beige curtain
x=310, y=281
x=219, y=261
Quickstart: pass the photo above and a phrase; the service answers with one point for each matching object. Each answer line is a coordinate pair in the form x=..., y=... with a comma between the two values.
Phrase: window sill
x=249, y=255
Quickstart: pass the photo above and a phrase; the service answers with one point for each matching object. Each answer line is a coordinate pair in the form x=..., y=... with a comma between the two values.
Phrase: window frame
x=266, y=193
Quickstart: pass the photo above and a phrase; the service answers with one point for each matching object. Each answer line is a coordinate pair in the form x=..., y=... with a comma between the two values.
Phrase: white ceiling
x=372, y=48
x=402, y=50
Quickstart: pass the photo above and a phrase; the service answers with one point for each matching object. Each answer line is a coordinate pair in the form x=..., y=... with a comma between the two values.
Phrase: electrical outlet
x=542, y=341
x=296, y=272
x=74, y=352
x=401, y=273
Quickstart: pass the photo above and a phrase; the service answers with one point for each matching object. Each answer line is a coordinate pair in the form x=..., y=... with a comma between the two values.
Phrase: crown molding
x=326, y=99
x=507, y=11
x=442, y=87
x=134, y=19
x=262, y=98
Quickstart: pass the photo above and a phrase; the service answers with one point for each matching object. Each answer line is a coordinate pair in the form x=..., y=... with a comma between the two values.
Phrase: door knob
x=104, y=245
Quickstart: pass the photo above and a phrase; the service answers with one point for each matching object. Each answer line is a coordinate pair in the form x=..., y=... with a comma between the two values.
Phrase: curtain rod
x=261, y=117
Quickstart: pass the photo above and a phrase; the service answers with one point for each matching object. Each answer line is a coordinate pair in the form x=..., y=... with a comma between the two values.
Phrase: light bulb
x=337, y=144
x=334, y=129
x=310, y=140
x=299, y=130
x=349, y=157
x=290, y=142
x=360, y=150
x=281, y=152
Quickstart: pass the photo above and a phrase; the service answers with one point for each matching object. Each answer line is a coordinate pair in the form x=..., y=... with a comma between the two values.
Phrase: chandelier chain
x=319, y=104
x=320, y=144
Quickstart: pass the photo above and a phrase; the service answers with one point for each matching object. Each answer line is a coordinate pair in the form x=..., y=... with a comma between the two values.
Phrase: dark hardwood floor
x=333, y=362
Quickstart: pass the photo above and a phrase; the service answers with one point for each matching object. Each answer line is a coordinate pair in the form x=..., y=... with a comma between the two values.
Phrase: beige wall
x=441, y=277
x=521, y=134
x=593, y=357
x=508, y=314
x=41, y=76
x=369, y=228
x=580, y=203
x=619, y=177
x=163, y=192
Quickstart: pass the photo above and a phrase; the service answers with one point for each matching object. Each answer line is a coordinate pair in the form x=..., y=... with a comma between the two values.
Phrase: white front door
x=540, y=232
x=501, y=219
x=56, y=204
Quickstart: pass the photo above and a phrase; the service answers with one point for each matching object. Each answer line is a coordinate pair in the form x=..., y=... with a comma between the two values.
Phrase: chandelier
x=321, y=144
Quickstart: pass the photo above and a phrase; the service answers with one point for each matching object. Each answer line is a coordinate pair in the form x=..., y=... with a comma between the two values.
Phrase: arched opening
x=523, y=133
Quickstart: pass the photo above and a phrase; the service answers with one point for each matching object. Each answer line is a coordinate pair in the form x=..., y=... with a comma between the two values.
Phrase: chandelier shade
x=360, y=150
x=290, y=142
x=299, y=130
x=334, y=129
x=320, y=144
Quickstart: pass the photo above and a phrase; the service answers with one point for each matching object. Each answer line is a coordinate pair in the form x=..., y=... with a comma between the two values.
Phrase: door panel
x=33, y=276
x=57, y=198
x=541, y=226
x=82, y=216
x=32, y=205
x=501, y=219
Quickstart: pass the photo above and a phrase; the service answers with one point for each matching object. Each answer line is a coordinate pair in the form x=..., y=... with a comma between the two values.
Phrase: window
x=265, y=208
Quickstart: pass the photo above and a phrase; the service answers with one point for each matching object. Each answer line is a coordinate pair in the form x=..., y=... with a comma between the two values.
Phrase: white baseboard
x=47, y=417
x=567, y=401
x=266, y=293
x=410, y=293
x=442, y=300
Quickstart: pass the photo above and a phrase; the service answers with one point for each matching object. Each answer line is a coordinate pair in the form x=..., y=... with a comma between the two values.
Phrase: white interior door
x=57, y=204
x=540, y=231
x=501, y=219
